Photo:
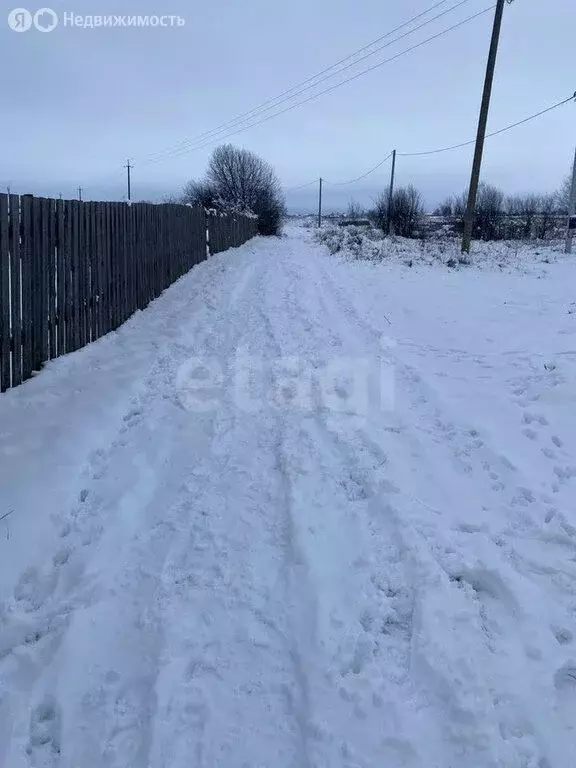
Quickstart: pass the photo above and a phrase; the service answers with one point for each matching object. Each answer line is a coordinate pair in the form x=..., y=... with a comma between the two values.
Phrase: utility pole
x=391, y=194
x=320, y=203
x=482, y=122
x=129, y=168
x=571, y=210
x=80, y=194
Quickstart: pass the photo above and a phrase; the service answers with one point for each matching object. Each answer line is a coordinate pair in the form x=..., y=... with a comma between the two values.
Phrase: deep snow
x=299, y=512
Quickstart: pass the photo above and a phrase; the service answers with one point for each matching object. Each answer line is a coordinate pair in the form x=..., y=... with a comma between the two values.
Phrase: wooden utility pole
x=482, y=122
x=571, y=210
x=391, y=194
x=129, y=168
x=320, y=203
x=80, y=194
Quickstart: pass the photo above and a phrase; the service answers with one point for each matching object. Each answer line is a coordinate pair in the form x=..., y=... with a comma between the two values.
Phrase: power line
x=444, y=149
x=489, y=135
x=337, y=85
x=301, y=186
x=359, y=178
x=309, y=83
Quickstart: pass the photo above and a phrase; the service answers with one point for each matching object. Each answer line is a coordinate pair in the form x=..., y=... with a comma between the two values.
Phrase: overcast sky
x=77, y=102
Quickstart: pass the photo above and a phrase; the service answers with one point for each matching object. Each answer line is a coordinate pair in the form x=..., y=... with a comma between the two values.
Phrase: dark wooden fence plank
x=68, y=285
x=88, y=267
x=5, y=330
x=93, y=289
x=116, y=255
x=83, y=337
x=60, y=279
x=77, y=241
x=39, y=285
x=107, y=277
x=50, y=267
x=26, y=261
x=131, y=261
x=15, y=289
x=99, y=253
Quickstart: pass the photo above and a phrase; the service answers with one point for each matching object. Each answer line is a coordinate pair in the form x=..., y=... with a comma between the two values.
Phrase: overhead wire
x=359, y=178
x=489, y=135
x=295, y=90
x=448, y=149
x=340, y=84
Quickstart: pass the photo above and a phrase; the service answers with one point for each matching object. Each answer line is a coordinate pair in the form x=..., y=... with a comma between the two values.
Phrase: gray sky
x=77, y=102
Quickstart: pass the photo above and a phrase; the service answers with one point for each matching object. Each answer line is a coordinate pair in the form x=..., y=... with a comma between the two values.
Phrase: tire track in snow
x=372, y=591
x=251, y=673
x=503, y=748
x=120, y=633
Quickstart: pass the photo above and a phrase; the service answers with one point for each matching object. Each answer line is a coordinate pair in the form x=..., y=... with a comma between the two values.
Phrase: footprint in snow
x=563, y=636
x=44, y=743
x=531, y=434
x=565, y=677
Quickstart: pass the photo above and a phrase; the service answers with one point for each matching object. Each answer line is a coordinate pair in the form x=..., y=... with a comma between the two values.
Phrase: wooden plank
x=141, y=253
x=115, y=258
x=15, y=289
x=36, y=279
x=60, y=279
x=131, y=262
x=50, y=211
x=149, y=254
x=75, y=313
x=157, y=255
x=99, y=241
x=82, y=260
x=39, y=285
x=43, y=339
x=26, y=261
x=68, y=285
x=86, y=256
x=122, y=239
x=143, y=230
x=106, y=277
x=91, y=267
x=95, y=272
x=5, y=330
x=111, y=257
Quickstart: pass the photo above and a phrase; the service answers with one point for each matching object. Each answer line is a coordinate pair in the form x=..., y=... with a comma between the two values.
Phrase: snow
x=302, y=511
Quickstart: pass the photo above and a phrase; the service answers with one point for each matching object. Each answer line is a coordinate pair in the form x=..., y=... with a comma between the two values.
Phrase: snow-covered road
x=298, y=513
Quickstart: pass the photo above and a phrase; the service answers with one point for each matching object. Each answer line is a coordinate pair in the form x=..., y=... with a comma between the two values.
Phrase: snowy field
x=302, y=512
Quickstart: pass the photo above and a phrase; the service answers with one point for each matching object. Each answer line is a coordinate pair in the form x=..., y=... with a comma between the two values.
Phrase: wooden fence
x=228, y=231
x=71, y=272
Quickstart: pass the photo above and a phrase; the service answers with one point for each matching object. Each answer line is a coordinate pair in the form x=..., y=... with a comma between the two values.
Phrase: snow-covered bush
x=368, y=243
x=238, y=181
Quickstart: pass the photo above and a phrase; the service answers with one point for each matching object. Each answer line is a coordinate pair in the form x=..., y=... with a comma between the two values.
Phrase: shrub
x=241, y=182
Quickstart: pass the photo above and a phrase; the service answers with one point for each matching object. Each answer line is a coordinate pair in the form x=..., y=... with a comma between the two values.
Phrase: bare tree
x=200, y=193
x=446, y=208
x=489, y=212
x=563, y=196
x=239, y=181
x=406, y=213
x=546, y=219
x=523, y=209
x=379, y=214
x=355, y=210
x=459, y=205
